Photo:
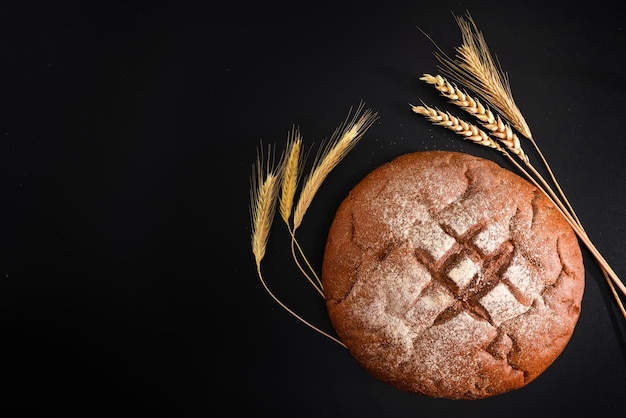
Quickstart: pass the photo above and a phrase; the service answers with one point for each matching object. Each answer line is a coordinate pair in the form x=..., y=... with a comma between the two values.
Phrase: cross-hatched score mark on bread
x=468, y=274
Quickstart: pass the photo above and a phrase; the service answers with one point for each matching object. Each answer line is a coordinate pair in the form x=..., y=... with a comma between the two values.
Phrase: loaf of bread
x=449, y=276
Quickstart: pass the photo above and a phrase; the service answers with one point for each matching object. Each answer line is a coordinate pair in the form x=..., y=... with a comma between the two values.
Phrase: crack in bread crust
x=450, y=276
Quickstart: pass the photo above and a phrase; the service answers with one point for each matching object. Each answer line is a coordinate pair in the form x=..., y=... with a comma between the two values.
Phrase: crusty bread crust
x=449, y=276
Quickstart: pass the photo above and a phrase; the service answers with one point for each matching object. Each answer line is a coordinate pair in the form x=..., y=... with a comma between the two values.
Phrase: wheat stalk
x=268, y=178
x=344, y=138
x=263, y=196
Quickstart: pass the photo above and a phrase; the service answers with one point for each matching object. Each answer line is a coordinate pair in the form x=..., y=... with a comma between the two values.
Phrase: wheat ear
x=475, y=68
x=466, y=130
x=344, y=138
x=291, y=171
x=263, y=192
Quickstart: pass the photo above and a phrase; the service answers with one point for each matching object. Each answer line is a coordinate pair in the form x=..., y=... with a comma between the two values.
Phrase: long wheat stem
x=553, y=178
x=317, y=284
x=304, y=321
x=567, y=211
x=610, y=275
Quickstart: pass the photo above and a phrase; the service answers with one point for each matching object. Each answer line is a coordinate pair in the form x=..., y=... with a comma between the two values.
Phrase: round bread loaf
x=449, y=276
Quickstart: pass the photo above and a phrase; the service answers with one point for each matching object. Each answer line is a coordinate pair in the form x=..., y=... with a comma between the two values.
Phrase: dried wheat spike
x=475, y=68
x=343, y=139
x=263, y=193
x=473, y=106
x=291, y=170
x=466, y=130
x=505, y=134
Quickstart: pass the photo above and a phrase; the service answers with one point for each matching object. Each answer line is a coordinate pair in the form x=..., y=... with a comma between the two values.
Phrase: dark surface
x=127, y=283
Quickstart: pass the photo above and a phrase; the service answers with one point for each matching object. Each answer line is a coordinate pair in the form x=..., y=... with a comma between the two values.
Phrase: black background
x=128, y=131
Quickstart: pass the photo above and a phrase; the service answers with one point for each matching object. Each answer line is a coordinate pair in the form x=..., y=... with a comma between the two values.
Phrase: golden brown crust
x=449, y=276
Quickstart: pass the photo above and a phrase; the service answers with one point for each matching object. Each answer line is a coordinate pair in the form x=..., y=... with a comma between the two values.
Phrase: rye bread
x=452, y=277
